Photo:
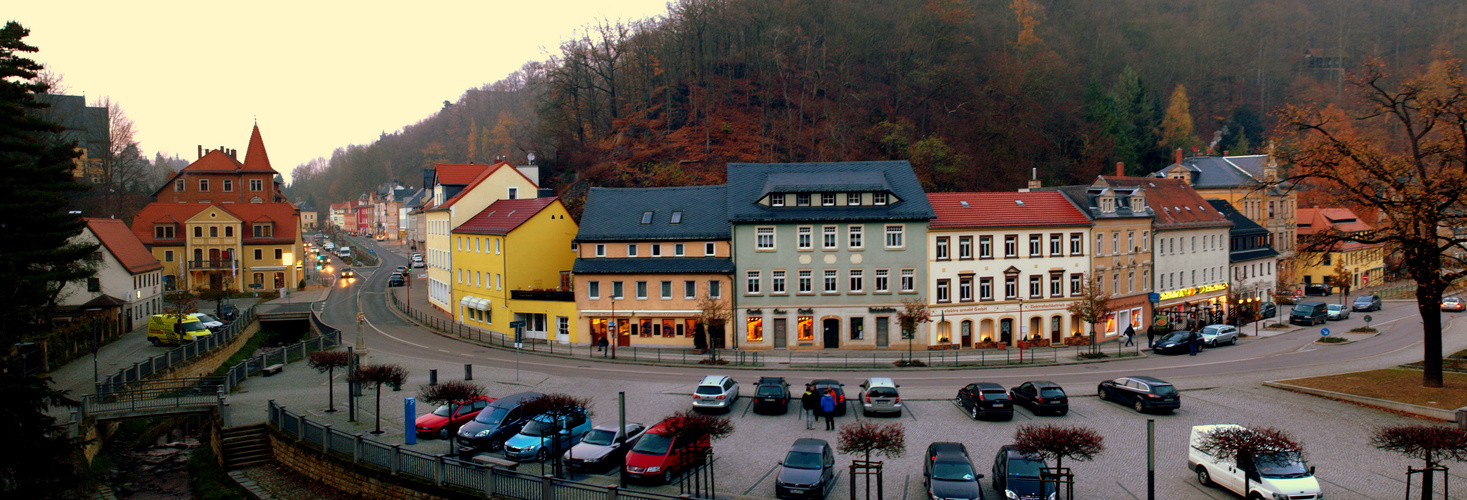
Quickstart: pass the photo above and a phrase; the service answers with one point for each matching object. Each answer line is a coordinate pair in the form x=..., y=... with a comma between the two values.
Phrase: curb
x=1418, y=410
x=249, y=485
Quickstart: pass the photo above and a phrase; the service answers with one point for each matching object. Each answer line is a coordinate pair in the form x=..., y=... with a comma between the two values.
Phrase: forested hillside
x=976, y=93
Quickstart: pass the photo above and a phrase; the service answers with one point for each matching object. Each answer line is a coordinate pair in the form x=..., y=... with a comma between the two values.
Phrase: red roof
x=124, y=245
x=504, y=216
x=1004, y=209
x=255, y=158
x=214, y=161
x=1314, y=220
x=1174, y=202
x=479, y=179
x=283, y=215
x=458, y=174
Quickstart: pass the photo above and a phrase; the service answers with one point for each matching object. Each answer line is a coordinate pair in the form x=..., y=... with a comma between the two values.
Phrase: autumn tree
x=1433, y=444
x=688, y=428
x=913, y=314
x=1401, y=153
x=1176, y=125
x=1240, y=444
x=713, y=316
x=377, y=376
x=866, y=437
x=327, y=362
x=1340, y=277
x=1055, y=442
x=1091, y=306
x=453, y=395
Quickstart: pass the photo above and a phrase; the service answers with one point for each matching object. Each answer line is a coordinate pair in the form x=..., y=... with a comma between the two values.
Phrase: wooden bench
x=496, y=462
x=272, y=369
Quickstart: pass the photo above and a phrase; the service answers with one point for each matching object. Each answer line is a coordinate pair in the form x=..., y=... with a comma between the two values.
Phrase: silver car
x=602, y=449
x=1215, y=335
x=716, y=391
x=1337, y=312
x=879, y=395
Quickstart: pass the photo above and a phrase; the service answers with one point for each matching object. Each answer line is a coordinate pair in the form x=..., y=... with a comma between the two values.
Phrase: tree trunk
x=1428, y=303
x=379, y=409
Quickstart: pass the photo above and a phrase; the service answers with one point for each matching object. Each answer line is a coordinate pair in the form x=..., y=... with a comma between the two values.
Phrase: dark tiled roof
x=1004, y=209
x=504, y=216
x=613, y=214
x=1176, y=205
x=1243, y=226
x=1262, y=252
x=654, y=265
x=1084, y=197
x=747, y=184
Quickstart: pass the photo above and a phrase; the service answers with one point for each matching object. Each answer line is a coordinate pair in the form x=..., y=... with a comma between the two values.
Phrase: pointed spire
x=255, y=157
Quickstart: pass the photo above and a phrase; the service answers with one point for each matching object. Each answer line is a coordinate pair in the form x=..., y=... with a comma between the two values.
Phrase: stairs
x=246, y=446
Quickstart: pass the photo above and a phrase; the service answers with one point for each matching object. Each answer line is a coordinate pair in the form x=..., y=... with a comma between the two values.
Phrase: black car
x=985, y=399
x=1177, y=342
x=488, y=431
x=772, y=395
x=394, y=280
x=808, y=470
x=1268, y=310
x=1041, y=396
x=1016, y=475
x=1366, y=303
x=226, y=311
x=822, y=385
x=1318, y=290
x=1142, y=392
x=948, y=473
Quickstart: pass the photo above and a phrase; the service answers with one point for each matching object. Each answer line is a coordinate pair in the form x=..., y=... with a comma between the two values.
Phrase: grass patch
x=1277, y=326
x=1394, y=384
x=245, y=351
x=208, y=480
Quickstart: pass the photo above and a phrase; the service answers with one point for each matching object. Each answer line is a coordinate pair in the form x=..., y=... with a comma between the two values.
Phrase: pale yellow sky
x=317, y=75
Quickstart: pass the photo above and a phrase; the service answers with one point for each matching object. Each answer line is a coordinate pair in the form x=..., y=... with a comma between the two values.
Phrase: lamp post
x=615, y=329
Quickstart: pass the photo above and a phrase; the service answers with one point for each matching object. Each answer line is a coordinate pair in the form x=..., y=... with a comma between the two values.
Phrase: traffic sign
x=1324, y=331
x=1368, y=318
x=1155, y=297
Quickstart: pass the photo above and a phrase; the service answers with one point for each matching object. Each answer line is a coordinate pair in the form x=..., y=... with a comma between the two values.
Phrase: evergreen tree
x=35, y=263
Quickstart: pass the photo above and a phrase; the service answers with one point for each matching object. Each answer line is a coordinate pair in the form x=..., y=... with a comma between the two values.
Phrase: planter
x=1077, y=340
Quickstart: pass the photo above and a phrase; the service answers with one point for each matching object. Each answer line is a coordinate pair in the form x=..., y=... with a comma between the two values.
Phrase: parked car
x=1336, y=312
x=1268, y=310
x=1215, y=335
x=395, y=280
x=1368, y=302
x=879, y=395
x=1453, y=304
x=1016, y=475
x=226, y=311
x=716, y=392
x=1041, y=396
x=499, y=421
x=948, y=473
x=1309, y=313
x=403, y=270
x=602, y=448
x=1318, y=290
x=1144, y=393
x=772, y=395
x=1177, y=342
x=657, y=457
x=824, y=384
x=808, y=470
x=985, y=399
x=346, y=273
x=210, y=322
x=448, y=418
x=1268, y=475
x=540, y=438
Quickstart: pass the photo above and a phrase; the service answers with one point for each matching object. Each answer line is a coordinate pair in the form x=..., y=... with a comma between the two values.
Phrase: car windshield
x=538, y=427
x=802, y=460
x=600, y=437
x=1052, y=392
x=492, y=417
x=1177, y=336
x=882, y=392
x=1280, y=466
x=710, y=389
x=769, y=390
x=1450, y=300
x=1212, y=330
x=1304, y=309
x=1364, y=299
x=443, y=411
x=206, y=318
x=1335, y=307
x=653, y=444
x=1024, y=467
x=952, y=471
x=1163, y=389
x=194, y=326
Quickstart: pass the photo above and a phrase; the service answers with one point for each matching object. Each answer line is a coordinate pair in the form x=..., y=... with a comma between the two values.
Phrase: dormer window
x=647, y=217
x=514, y=192
x=1107, y=204
x=1138, y=203
x=878, y=198
x=263, y=230
x=677, y=217
x=776, y=200
x=853, y=199
x=827, y=199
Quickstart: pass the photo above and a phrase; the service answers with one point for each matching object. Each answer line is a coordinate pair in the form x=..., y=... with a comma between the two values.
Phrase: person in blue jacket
x=827, y=408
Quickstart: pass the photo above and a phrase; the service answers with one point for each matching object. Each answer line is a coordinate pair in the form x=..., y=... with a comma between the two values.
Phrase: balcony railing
x=211, y=264
x=551, y=295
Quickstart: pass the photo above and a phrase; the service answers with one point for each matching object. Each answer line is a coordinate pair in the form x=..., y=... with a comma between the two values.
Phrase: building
x=337, y=217
x=308, y=216
x=829, y=250
x=1251, y=185
x=87, y=126
x=1365, y=263
x=408, y=216
x=128, y=285
x=512, y=262
x=222, y=224
x=1252, y=258
x=1118, y=215
x=1005, y=266
x=1189, y=249
x=460, y=192
x=653, y=259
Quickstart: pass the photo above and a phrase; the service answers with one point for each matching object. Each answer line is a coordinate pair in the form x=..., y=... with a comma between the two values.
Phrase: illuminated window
x=755, y=328
x=804, y=328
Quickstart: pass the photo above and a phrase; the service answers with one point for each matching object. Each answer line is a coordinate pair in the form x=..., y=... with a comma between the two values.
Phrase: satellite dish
x=531, y=157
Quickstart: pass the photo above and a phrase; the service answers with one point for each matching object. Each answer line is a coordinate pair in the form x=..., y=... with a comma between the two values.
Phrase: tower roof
x=255, y=158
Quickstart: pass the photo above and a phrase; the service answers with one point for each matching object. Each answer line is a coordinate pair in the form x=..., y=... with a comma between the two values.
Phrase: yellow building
x=459, y=192
x=1251, y=184
x=512, y=262
x=1365, y=263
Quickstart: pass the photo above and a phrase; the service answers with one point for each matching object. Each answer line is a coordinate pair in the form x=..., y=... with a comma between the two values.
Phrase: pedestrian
x=827, y=408
x=1130, y=332
x=601, y=344
x=1195, y=342
x=809, y=403
x=1151, y=336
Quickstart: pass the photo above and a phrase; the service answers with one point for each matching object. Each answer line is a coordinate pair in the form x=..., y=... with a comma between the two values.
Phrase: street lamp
x=615, y=332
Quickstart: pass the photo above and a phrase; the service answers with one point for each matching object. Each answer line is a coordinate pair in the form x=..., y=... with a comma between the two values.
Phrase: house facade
x=1120, y=252
x=1004, y=267
x=1252, y=259
x=1252, y=185
x=1189, y=250
x=1365, y=263
x=648, y=263
x=127, y=275
x=512, y=262
x=459, y=192
x=825, y=253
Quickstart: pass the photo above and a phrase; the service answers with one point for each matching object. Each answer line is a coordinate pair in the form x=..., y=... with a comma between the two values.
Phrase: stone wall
x=206, y=365
x=354, y=480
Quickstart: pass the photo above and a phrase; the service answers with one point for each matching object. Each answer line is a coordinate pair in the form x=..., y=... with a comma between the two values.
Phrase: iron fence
x=140, y=370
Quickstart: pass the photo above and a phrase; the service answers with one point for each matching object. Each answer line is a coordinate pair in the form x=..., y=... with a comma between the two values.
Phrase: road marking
x=384, y=334
x=761, y=480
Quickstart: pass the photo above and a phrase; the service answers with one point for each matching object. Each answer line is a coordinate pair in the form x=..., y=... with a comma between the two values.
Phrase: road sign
x=1324, y=331
x=1155, y=297
x=1368, y=318
x=517, y=324
x=519, y=345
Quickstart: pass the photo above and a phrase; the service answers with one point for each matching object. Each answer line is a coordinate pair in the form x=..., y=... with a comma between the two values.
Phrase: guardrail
x=153, y=401
x=138, y=371
x=327, y=338
x=441, y=470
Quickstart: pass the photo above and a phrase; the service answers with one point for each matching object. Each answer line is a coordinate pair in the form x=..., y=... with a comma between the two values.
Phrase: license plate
x=998, y=405
x=768, y=400
x=797, y=492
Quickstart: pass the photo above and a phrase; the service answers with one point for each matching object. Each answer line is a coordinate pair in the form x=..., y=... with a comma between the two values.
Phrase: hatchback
x=346, y=272
x=948, y=473
x=772, y=395
x=541, y=437
x=1337, y=312
x=1142, y=392
x=1175, y=342
x=1453, y=304
x=808, y=470
x=446, y=420
x=984, y=399
x=1041, y=396
x=1366, y=303
x=498, y=422
x=1017, y=475
x=716, y=392
x=603, y=448
x=825, y=384
x=658, y=457
x=395, y=280
x=1318, y=289
x=1215, y=335
x=879, y=395
x=1268, y=310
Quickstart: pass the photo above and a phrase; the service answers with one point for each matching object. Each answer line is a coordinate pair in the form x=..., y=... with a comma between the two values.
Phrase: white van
x=344, y=253
x=1267, y=476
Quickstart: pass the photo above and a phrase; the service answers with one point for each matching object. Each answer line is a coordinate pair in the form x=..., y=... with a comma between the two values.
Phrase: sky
x=315, y=75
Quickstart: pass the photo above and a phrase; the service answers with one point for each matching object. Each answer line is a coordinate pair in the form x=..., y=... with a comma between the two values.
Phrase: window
x=647, y=217
x=802, y=199
x=715, y=289
x=985, y=247
x=677, y=249
x=593, y=290
x=164, y=232
x=882, y=285
x=855, y=234
x=616, y=290
x=1194, y=244
x=199, y=233
x=278, y=254
x=1145, y=279
x=776, y=200
x=965, y=288
x=755, y=327
x=857, y=279
x=1056, y=248
x=203, y=185
x=213, y=231
x=178, y=185
x=894, y=236
x=257, y=185
x=656, y=249
x=259, y=255
x=514, y=192
x=1131, y=241
x=666, y=290
x=1011, y=245
x=1036, y=286
x=909, y=280
x=1115, y=242
x=804, y=285
x=1056, y=285
x=858, y=327
x=1099, y=243
x=942, y=292
x=830, y=281
x=827, y=238
x=985, y=288
x=764, y=238
x=776, y=282
x=228, y=186
x=228, y=231
x=1130, y=281
x=1145, y=241
x=690, y=289
x=1077, y=284
x=1077, y=244
x=965, y=247
x=1011, y=287
x=709, y=248
x=642, y=290
x=827, y=199
x=263, y=230
x=94, y=284
x=677, y=217
x=563, y=326
x=1036, y=246
x=600, y=250
x=942, y=248
x=853, y=199
x=878, y=198
x=753, y=283
x=805, y=328
x=168, y=256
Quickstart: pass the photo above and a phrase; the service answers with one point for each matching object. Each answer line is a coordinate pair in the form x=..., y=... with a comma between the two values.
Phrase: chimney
x=201, y=151
x=1034, y=178
x=1120, y=169
x=1179, y=156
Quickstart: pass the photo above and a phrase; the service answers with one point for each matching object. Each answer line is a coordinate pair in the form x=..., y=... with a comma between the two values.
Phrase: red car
x=445, y=421
x=658, y=458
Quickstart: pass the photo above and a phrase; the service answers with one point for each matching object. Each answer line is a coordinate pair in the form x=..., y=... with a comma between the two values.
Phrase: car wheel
x=1064, y=412
x=443, y=432
x=1203, y=477
x=1140, y=406
x=1234, y=341
x=495, y=446
x=1100, y=393
x=154, y=341
x=667, y=477
x=975, y=411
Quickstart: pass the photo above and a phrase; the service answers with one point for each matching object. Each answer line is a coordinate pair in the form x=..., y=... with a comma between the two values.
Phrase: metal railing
x=182, y=354
x=438, y=469
x=212, y=264
x=154, y=400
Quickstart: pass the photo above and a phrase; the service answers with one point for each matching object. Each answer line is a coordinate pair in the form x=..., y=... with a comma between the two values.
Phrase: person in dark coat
x=1151, y=336
x=1130, y=332
x=1195, y=343
x=810, y=402
x=827, y=408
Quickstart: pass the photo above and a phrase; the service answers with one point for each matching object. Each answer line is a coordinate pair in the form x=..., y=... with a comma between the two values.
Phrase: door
x=780, y=341
x=216, y=281
x=966, y=329
x=1006, y=330
x=624, y=333
x=213, y=258
x=832, y=332
x=882, y=330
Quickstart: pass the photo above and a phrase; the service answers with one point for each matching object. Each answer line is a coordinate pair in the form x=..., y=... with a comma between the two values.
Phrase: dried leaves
x=453, y=391
x=557, y=405
x=377, y=375
x=1233, y=441
x=1058, y=442
x=1432, y=443
x=866, y=437
x=688, y=426
x=324, y=361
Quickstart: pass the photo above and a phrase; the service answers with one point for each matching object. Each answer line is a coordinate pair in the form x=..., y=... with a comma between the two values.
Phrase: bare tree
x=1055, y=442
x=1242, y=444
x=713, y=317
x=1092, y=306
x=454, y=393
x=866, y=437
x=914, y=313
x=327, y=362
x=376, y=376
x=1432, y=443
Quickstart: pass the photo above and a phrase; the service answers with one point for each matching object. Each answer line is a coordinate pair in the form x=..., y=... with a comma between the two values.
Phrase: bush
x=902, y=363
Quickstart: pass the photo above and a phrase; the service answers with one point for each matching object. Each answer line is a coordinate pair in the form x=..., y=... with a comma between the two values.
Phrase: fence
x=164, y=396
x=660, y=355
x=440, y=470
x=140, y=370
x=963, y=357
x=329, y=337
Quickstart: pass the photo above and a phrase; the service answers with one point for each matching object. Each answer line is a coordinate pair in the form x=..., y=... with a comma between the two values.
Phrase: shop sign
x=1185, y=292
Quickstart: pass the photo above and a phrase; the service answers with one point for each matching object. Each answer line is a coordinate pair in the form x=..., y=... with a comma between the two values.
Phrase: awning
x=481, y=304
x=466, y=301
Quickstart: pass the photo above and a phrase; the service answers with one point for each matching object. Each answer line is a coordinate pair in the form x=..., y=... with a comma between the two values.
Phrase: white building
x=1190, y=253
x=128, y=277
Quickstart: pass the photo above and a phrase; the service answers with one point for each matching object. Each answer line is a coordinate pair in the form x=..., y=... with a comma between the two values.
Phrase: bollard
x=1462, y=418
x=468, y=371
x=433, y=377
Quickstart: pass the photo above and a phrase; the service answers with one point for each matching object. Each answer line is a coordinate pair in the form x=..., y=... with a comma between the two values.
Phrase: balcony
x=211, y=264
x=550, y=295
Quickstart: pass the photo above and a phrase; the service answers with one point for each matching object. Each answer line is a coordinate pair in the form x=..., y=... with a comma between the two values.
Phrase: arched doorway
x=1036, y=327
x=1006, y=330
x=831, y=327
x=944, y=332
x=1056, y=328
x=985, y=331
x=966, y=330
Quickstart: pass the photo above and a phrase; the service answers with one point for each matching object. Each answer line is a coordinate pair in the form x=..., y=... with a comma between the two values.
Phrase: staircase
x=246, y=446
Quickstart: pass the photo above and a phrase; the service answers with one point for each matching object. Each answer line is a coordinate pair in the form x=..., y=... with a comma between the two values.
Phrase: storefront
x=1194, y=307
x=973, y=325
x=1129, y=312
x=820, y=328
x=649, y=330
